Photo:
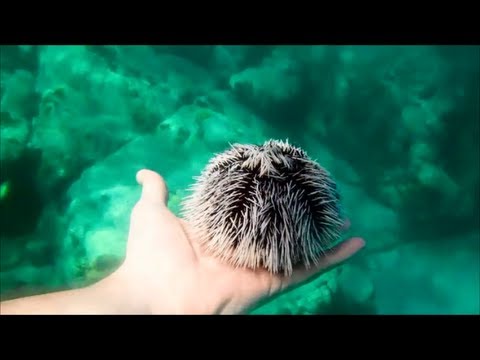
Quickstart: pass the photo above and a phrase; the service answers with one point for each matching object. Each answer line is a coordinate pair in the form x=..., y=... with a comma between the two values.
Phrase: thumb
x=154, y=188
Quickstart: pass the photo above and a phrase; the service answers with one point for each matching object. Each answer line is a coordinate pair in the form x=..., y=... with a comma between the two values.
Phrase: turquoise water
x=398, y=127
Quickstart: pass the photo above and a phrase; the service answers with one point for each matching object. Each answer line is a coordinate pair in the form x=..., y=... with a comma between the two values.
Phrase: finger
x=334, y=257
x=154, y=188
x=341, y=252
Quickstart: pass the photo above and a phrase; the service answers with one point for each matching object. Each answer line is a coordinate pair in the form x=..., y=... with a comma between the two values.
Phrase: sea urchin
x=268, y=206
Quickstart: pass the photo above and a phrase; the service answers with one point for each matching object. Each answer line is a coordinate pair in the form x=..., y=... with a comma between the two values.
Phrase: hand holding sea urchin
x=267, y=206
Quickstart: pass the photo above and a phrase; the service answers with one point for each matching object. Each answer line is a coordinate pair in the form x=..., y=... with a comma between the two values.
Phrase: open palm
x=168, y=272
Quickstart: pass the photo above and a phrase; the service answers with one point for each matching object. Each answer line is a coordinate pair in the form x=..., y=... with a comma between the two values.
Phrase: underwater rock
x=14, y=132
x=313, y=297
x=86, y=242
x=18, y=94
x=83, y=94
x=356, y=284
x=386, y=259
x=10, y=257
x=212, y=123
x=17, y=106
x=402, y=117
x=28, y=279
x=18, y=57
x=413, y=279
x=370, y=219
x=228, y=60
x=275, y=81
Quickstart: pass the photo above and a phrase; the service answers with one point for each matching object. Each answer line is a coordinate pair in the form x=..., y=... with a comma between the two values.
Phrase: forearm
x=78, y=301
x=104, y=297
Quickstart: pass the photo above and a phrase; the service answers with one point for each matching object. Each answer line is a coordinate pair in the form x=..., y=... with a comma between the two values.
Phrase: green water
x=398, y=127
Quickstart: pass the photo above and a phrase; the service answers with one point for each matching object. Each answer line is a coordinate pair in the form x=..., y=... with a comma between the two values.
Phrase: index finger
x=334, y=257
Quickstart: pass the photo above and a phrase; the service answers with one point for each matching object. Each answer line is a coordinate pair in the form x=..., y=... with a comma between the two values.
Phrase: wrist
x=114, y=295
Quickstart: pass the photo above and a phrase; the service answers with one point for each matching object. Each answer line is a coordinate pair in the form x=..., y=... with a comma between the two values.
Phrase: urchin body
x=267, y=206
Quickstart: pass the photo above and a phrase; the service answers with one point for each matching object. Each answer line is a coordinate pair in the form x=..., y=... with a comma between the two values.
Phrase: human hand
x=166, y=272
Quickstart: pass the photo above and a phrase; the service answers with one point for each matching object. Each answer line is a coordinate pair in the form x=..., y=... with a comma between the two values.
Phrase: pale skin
x=166, y=272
